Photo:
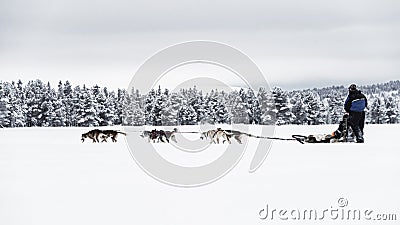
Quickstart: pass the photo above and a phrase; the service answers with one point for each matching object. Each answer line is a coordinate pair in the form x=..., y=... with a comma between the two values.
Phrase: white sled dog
x=208, y=135
x=215, y=136
x=227, y=135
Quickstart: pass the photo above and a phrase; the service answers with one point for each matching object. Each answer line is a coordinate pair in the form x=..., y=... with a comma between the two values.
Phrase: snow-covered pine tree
x=171, y=106
x=298, y=108
x=18, y=105
x=240, y=108
x=211, y=107
x=119, y=105
x=253, y=107
x=148, y=107
x=158, y=104
x=138, y=110
x=201, y=107
x=282, y=109
x=239, y=114
x=195, y=99
x=232, y=106
x=376, y=112
x=312, y=104
x=222, y=114
x=88, y=113
x=77, y=106
x=5, y=107
x=391, y=109
x=35, y=97
x=127, y=115
x=335, y=101
x=99, y=104
x=268, y=110
x=47, y=113
x=58, y=118
x=67, y=100
x=187, y=115
x=110, y=108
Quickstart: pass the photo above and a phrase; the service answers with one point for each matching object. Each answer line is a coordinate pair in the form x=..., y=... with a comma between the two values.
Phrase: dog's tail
x=120, y=132
x=254, y=136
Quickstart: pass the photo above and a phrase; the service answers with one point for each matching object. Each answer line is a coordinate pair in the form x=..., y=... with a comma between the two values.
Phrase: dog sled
x=343, y=134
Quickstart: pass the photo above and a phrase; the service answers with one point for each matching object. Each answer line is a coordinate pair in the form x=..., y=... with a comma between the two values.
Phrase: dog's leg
x=229, y=141
x=174, y=138
x=166, y=138
x=238, y=139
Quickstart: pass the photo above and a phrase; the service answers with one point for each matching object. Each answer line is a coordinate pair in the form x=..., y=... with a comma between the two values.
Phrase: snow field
x=47, y=176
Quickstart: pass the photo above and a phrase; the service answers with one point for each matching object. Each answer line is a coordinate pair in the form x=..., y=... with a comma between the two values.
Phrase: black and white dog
x=160, y=135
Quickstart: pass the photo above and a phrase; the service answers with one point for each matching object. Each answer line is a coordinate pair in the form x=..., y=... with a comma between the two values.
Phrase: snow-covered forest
x=37, y=103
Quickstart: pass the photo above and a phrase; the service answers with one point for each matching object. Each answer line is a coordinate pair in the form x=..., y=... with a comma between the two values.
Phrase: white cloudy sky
x=297, y=44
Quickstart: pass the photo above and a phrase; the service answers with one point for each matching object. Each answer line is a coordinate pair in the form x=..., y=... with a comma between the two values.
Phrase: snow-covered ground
x=47, y=176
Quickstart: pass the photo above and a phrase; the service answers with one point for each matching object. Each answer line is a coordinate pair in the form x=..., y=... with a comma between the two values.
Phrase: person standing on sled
x=354, y=105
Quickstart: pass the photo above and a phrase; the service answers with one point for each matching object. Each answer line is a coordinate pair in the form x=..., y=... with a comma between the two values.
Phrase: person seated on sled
x=339, y=135
x=354, y=105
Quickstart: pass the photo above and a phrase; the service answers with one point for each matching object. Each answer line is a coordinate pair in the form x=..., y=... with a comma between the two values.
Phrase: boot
x=359, y=136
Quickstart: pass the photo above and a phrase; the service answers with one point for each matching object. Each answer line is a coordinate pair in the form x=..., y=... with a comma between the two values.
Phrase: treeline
x=38, y=104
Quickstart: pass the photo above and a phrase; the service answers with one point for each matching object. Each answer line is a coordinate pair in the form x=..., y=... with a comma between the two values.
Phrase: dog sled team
x=353, y=121
x=343, y=134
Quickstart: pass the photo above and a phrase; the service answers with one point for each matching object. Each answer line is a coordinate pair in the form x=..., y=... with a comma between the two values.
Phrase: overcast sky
x=296, y=44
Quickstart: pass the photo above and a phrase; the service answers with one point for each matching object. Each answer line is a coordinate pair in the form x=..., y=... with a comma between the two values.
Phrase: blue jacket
x=355, y=102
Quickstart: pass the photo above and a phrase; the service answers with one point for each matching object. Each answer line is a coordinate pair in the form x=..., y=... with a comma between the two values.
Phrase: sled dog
x=215, y=136
x=103, y=134
x=208, y=135
x=93, y=134
x=237, y=135
x=170, y=135
x=219, y=133
x=159, y=135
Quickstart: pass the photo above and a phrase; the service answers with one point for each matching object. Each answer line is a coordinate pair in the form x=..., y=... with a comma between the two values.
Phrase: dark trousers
x=362, y=122
x=356, y=122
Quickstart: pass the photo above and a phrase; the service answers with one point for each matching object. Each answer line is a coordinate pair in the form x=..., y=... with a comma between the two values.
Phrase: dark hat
x=352, y=87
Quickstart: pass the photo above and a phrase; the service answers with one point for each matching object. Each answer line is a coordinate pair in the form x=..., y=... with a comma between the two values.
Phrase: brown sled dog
x=93, y=134
x=104, y=134
x=110, y=133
